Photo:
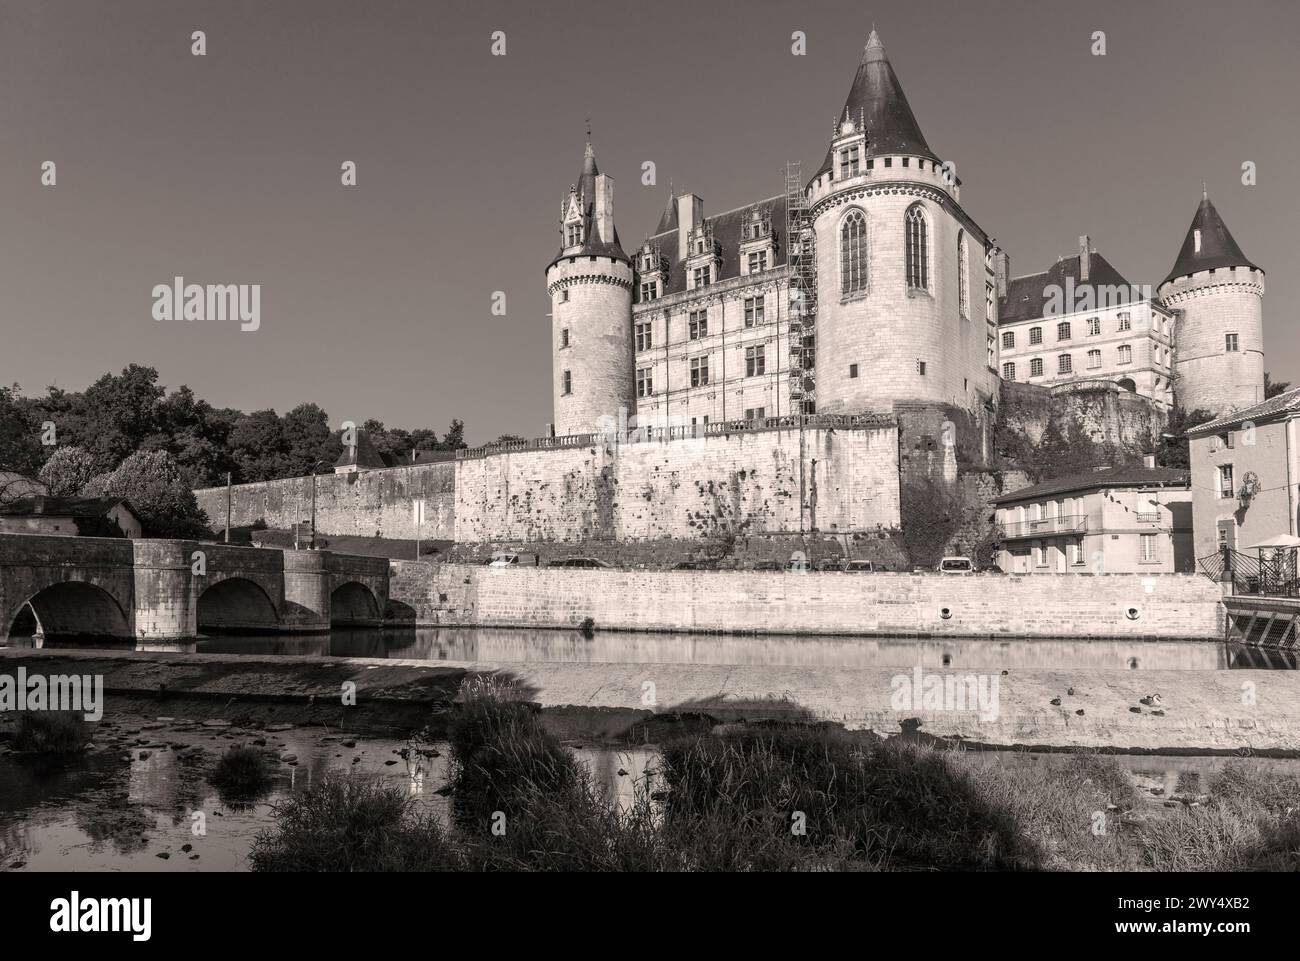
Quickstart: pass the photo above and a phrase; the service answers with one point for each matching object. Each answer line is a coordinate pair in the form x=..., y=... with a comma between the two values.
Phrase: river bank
x=1195, y=712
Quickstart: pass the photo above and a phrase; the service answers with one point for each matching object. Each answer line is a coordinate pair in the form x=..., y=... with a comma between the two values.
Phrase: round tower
x=901, y=268
x=590, y=283
x=1219, y=331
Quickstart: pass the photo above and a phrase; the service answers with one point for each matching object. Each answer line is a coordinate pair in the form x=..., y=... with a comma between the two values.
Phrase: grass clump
x=352, y=823
x=51, y=732
x=242, y=772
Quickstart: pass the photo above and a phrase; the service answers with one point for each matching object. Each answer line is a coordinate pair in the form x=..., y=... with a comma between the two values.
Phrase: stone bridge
x=169, y=590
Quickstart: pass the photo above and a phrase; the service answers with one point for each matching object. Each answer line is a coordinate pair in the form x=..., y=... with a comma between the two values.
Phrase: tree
x=68, y=471
x=20, y=445
x=1175, y=449
x=309, y=441
x=152, y=482
x=1272, y=388
x=258, y=447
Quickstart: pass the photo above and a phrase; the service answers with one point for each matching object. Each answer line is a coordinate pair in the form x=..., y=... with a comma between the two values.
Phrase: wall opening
x=237, y=606
x=69, y=612
x=354, y=605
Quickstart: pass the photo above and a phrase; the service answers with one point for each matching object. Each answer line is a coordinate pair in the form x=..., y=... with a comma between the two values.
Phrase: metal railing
x=1272, y=575
x=1067, y=524
x=1148, y=517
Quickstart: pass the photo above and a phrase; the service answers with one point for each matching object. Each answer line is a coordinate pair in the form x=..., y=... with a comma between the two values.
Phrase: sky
x=377, y=299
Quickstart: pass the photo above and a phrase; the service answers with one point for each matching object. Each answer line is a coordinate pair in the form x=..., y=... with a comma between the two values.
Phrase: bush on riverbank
x=241, y=773
x=351, y=823
x=51, y=732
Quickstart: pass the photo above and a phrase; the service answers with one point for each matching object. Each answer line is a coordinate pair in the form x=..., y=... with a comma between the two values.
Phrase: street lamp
x=312, y=543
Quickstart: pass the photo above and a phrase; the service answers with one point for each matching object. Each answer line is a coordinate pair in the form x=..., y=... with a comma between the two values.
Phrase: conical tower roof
x=594, y=244
x=878, y=98
x=1217, y=247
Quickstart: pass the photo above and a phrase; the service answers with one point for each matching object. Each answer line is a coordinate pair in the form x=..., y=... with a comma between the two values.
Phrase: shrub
x=51, y=732
x=242, y=772
x=352, y=823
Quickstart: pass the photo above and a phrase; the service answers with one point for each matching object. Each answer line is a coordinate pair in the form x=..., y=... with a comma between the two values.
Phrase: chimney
x=1001, y=271
x=1148, y=459
x=603, y=215
x=690, y=214
x=1085, y=259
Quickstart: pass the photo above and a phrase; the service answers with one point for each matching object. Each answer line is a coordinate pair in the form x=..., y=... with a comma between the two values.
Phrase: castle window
x=573, y=235
x=1125, y=323
x=849, y=161
x=644, y=383
x=702, y=276
x=567, y=383
x=1230, y=342
x=1064, y=364
x=644, y=337
x=755, y=361
x=699, y=371
x=1063, y=330
x=649, y=291
x=963, y=277
x=889, y=161
x=1036, y=367
x=1196, y=241
x=1009, y=340
x=697, y=324
x=990, y=354
x=871, y=164
x=757, y=261
x=564, y=296
x=853, y=370
x=1094, y=326
x=1009, y=371
x=564, y=337
x=918, y=253
x=1094, y=359
x=755, y=413
x=1125, y=354
x=753, y=311
x=853, y=252
x=904, y=161
x=920, y=367
x=988, y=302
x=1035, y=335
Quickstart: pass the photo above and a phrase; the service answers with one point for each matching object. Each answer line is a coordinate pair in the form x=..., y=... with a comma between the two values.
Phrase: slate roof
x=1026, y=300
x=1218, y=248
x=1108, y=477
x=65, y=506
x=726, y=233
x=878, y=98
x=363, y=455
x=595, y=245
x=1284, y=403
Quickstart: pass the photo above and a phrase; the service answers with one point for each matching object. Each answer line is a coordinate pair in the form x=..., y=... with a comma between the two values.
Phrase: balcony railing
x=1044, y=527
x=1148, y=517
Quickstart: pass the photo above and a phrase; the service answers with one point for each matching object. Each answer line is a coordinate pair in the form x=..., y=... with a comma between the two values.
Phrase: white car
x=503, y=559
x=956, y=565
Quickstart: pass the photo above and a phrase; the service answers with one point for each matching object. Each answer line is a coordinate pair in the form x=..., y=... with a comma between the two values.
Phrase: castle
x=869, y=289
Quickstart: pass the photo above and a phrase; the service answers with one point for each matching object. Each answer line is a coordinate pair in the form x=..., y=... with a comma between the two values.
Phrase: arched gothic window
x=853, y=253
x=918, y=249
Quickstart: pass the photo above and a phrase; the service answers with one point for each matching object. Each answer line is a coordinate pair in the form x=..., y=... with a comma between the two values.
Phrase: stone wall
x=1078, y=605
x=747, y=481
x=376, y=503
x=1106, y=412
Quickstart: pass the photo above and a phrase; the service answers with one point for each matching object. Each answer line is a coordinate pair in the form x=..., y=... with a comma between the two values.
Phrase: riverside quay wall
x=971, y=605
x=837, y=474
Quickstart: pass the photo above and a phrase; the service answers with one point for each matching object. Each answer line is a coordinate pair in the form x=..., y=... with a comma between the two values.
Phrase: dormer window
x=649, y=291
x=757, y=261
x=702, y=276
x=1196, y=241
x=850, y=161
x=573, y=235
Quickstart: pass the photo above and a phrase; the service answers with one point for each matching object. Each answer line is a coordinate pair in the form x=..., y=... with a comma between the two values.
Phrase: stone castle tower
x=1219, y=294
x=904, y=275
x=590, y=283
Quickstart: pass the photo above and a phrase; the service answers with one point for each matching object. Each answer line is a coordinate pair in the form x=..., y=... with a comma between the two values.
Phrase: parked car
x=502, y=559
x=768, y=566
x=993, y=569
x=859, y=567
x=830, y=564
x=686, y=566
x=798, y=565
x=588, y=562
x=956, y=565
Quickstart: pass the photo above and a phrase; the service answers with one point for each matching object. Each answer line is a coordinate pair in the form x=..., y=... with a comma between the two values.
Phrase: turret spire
x=1208, y=243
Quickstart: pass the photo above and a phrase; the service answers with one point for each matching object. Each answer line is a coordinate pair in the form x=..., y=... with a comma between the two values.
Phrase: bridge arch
x=353, y=604
x=70, y=610
x=236, y=604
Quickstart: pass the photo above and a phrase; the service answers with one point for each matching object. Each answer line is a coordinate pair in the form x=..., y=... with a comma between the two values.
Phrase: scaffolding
x=802, y=315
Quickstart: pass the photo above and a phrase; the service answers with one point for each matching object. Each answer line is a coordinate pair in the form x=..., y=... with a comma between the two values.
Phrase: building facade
x=868, y=290
x=1246, y=475
x=1120, y=520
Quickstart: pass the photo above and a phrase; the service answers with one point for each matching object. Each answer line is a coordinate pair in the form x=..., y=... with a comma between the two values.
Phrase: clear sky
x=376, y=299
